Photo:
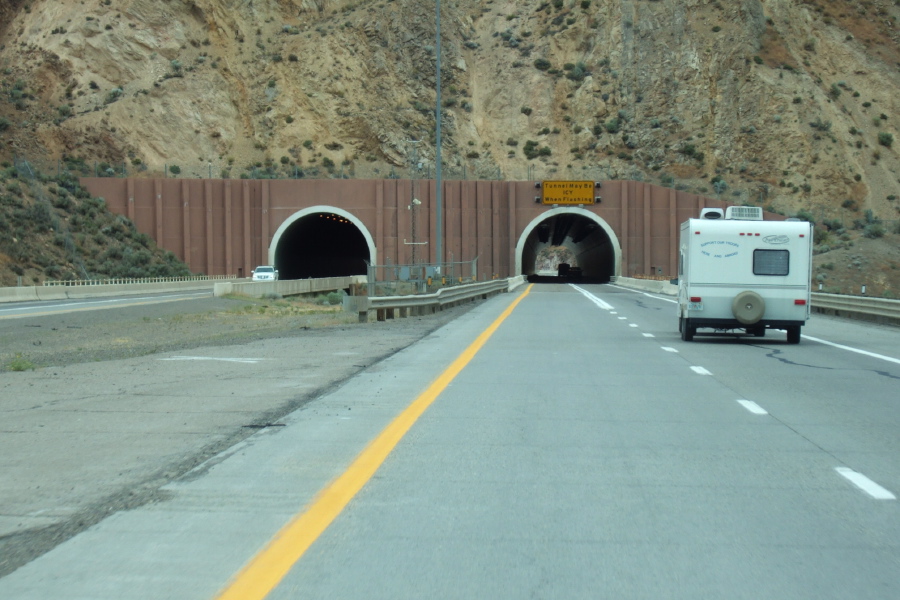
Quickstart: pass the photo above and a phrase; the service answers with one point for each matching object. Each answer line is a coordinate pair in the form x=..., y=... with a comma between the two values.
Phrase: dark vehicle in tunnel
x=592, y=251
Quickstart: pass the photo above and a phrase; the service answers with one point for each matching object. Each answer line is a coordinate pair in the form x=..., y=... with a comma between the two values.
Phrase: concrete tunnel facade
x=319, y=227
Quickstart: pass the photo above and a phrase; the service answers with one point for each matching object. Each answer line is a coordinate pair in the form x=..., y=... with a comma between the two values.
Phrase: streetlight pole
x=439, y=218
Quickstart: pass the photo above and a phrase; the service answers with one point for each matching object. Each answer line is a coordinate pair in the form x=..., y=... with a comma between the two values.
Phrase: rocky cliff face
x=789, y=103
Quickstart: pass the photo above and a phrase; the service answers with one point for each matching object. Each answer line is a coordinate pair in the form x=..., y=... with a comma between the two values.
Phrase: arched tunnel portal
x=321, y=241
x=590, y=243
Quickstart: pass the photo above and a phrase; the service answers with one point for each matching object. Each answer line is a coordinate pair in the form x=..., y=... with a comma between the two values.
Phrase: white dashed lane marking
x=236, y=360
x=753, y=407
x=865, y=484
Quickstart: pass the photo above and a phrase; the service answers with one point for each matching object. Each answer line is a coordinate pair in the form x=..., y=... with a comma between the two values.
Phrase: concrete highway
x=556, y=442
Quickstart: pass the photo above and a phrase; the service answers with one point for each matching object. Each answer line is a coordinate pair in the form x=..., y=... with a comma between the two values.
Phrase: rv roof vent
x=744, y=213
x=712, y=213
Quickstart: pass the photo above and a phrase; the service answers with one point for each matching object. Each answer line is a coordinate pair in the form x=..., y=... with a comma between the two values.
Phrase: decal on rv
x=719, y=249
x=777, y=239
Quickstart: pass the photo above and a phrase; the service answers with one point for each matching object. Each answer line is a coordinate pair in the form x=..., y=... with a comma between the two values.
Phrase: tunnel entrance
x=321, y=241
x=568, y=244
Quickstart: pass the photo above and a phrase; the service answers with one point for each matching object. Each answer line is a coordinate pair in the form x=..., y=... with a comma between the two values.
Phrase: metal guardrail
x=129, y=281
x=882, y=310
x=858, y=307
x=420, y=303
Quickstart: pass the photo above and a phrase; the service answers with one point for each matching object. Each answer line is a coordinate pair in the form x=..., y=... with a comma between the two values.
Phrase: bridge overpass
x=331, y=227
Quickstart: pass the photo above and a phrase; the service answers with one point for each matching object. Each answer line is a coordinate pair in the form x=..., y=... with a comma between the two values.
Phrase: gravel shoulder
x=99, y=409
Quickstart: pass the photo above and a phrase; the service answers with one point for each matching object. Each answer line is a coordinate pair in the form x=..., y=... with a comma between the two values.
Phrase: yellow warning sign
x=568, y=192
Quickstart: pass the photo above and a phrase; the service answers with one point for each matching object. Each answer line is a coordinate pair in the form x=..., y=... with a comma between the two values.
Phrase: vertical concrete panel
x=186, y=223
x=429, y=188
x=465, y=246
x=379, y=219
x=246, y=265
x=157, y=212
x=229, y=237
x=263, y=247
x=456, y=191
x=130, y=192
x=673, y=233
x=208, y=232
x=443, y=257
x=404, y=215
x=646, y=228
x=512, y=216
x=223, y=249
x=687, y=207
x=626, y=234
x=196, y=227
x=483, y=202
x=143, y=206
x=172, y=216
x=496, y=204
x=113, y=191
x=390, y=221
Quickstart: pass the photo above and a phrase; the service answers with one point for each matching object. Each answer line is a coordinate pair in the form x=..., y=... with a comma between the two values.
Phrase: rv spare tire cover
x=748, y=307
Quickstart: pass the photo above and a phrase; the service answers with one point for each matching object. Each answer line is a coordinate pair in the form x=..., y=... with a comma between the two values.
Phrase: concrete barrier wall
x=58, y=292
x=288, y=287
x=648, y=285
x=515, y=282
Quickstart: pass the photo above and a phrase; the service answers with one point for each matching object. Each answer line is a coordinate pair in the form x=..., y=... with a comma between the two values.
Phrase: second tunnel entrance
x=568, y=236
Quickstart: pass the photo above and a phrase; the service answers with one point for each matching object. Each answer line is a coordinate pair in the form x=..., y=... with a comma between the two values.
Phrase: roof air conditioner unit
x=712, y=213
x=744, y=213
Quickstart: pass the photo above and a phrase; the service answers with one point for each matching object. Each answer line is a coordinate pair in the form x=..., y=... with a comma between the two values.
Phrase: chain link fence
x=410, y=279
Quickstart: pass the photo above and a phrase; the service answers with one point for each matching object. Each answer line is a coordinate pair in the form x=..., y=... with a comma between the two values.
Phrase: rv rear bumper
x=735, y=324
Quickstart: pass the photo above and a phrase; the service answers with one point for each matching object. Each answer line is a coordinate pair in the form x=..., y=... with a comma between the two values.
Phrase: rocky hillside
x=792, y=104
x=53, y=229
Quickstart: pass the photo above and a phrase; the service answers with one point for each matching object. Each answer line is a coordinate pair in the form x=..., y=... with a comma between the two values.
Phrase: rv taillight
x=800, y=302
x=696, y=299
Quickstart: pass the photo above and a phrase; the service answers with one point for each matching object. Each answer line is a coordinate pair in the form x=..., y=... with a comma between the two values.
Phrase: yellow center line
x=272, y=563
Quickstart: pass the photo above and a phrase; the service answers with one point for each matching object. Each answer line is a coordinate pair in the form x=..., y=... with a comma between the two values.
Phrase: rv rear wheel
x=793, y=334
x=687, y=330
x=748, y=307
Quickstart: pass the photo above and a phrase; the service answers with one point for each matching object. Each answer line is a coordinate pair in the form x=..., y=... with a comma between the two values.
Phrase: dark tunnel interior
x=591, y=251
x=321, y=245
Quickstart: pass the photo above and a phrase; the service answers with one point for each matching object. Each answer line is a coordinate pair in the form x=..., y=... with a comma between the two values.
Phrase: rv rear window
x=771, y=262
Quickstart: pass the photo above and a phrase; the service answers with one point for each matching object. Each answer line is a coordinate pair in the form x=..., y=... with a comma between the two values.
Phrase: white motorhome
x=737, y=271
